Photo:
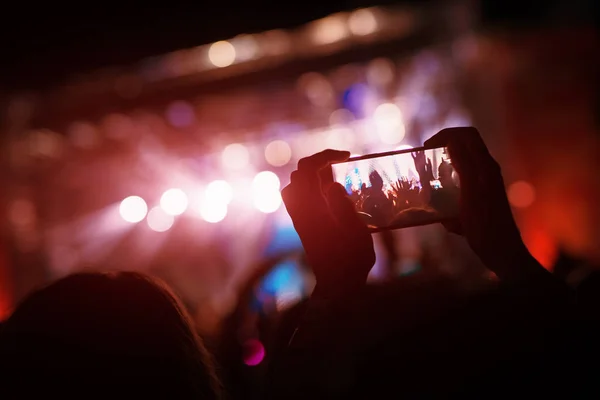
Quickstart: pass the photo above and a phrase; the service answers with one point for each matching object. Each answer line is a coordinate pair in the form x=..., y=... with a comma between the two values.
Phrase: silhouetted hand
x=338, y=244
x=486, y=219
x=423, y=166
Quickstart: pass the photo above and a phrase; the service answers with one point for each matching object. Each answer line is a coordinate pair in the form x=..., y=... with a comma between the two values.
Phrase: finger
x=447, y=135
x=326, y=178
x=320, y=160
x=342, y=208
x=311, y=170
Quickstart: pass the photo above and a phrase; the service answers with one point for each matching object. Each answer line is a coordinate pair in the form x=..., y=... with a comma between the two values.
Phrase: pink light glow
x=254, y=352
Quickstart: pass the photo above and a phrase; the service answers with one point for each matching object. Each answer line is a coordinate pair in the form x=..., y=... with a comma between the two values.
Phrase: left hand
x=338, y=245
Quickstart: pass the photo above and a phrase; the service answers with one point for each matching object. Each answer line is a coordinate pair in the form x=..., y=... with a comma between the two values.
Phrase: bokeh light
x=275, y=42
x=221, y=54
x=246, y=47
x=174, y=201
x=389, y=122
x=329, y=30
x=219, y=192
x=265, y=190
x=380, y=72
x=83, y=134
x=266, y=181
x=278, y=153
x=117, y=126
x=213, y=212
x=362, y=22
x=340, y=117
x=521, y=194
x=317, y=88
x=133, y=209
x=180, y=114
x=254, y=352
x=235, y=156
x=159, y=221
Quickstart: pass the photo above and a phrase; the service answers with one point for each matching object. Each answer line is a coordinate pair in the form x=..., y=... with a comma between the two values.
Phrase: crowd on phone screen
x=408, y=201
x=527, y=332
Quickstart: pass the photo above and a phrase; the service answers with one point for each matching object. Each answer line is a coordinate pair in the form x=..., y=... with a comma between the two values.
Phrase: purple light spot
x=180, y=114
x=254, y=352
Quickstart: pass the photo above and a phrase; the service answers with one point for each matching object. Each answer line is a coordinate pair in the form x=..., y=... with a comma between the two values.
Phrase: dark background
x=43, y=43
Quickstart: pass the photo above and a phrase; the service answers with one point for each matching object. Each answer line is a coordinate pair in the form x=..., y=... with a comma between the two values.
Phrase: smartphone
x=402, y=188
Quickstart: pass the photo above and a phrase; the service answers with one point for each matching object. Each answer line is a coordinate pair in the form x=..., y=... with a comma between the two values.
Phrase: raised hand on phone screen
x=338, y=245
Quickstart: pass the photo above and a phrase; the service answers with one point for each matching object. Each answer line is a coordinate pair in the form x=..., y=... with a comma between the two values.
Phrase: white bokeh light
x=174, y=201
x=278, y=153
x=389, y=122
x=218, y=192
x=213, y=212
x=266, y=180
x=159, y=221
x=362, y=22
x=329, y=30
x=265, y=191
x=133, y=209
x=221, y=54
x=235, y=156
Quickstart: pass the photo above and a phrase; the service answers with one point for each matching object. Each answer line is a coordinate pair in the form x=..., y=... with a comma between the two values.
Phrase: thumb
x=342, y=208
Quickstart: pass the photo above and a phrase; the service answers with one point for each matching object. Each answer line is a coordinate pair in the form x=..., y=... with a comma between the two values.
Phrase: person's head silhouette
x=445, y=171
x=105, y=334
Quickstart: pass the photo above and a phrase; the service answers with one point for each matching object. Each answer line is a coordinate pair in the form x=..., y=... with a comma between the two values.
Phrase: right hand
x=486, y=219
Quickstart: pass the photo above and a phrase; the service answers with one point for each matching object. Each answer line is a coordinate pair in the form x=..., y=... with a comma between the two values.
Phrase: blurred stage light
x=329, y=30
x=278, y=153
x=340, y=117
x=317, y=88
x=266, y=181
x=83, y=135
x=362, y=22
x=159, y=221
x=218, y=192
x=389, y=123
x=221, y=54
x=404, y=147
x=180, y=114
x=380, y=72
x=133, y=209
x=246, y=47
x=254, y=352
x=235, y=156
x=213, y=212
x=117, y=126
x=174, y=201
x=265, y=190
x=521, y=194
x=275, y=42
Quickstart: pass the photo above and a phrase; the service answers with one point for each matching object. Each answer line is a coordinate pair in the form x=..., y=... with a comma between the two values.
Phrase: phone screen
x=401, y=189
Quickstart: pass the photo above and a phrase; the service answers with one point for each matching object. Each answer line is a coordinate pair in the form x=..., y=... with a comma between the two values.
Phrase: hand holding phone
x=338, y=245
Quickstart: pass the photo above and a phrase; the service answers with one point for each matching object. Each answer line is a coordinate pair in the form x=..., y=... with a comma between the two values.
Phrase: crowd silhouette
x=410, y=200
x=527, y=332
